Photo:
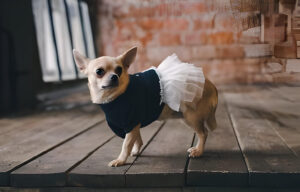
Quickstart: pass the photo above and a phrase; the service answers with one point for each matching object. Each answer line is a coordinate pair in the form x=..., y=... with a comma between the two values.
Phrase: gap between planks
x=222, y=163
x=258, y=155
x=45, y=172
x=50, y=145
x=55, y=146
x=94, y=171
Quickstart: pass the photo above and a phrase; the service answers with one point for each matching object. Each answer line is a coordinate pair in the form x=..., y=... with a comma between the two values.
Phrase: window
x=60, y=27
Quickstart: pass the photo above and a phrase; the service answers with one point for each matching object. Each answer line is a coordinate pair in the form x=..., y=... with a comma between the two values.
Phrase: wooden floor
x=257, y=144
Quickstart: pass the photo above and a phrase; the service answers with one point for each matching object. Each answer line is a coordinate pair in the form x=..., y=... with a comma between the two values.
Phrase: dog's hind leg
x=201, y=133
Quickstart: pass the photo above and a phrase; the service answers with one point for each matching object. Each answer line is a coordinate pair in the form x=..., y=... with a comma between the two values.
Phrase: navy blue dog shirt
x=140, y=103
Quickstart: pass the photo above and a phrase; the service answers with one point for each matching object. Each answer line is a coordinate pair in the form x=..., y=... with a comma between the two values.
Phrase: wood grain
x=29, y=145
x=289, y=93
x=50, y=169
x=17, y=131
x=163, y=161
x=284, y=120
x=270, y=162
x=95, y=172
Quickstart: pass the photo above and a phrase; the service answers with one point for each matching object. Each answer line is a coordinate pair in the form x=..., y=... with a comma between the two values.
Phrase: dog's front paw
x=116, y=163
x=195, y=152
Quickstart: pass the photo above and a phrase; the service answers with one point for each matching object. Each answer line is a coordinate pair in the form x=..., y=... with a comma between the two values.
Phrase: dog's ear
x=128, y=57
x=81, y=61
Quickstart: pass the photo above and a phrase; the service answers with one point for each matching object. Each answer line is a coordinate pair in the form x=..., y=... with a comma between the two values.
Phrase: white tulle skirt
x=179, y=81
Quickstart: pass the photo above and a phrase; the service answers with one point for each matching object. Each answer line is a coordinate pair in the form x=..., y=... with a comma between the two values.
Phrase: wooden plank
x=288, y=93
x=280, y=106
x=270, y=162
x=10, y=124
x=163, y=162
x=50, y=169
x=36, y=141
x=10, y=139
x=19, y=132
x=95, y=172
x=286, y=124
x=222, y=163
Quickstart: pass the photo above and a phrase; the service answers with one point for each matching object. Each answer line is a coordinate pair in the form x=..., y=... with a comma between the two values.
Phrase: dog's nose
x=114, y=78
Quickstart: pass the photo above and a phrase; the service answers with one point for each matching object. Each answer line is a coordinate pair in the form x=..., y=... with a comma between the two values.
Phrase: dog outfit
x=171, y=83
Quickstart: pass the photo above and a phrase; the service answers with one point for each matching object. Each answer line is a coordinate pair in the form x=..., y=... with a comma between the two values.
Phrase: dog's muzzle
x=114, y=81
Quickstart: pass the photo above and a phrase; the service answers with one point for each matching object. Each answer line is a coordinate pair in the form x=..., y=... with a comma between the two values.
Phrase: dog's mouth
x=111, y=85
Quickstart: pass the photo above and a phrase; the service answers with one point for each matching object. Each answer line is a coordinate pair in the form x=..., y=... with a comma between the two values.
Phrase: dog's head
x=107, y=76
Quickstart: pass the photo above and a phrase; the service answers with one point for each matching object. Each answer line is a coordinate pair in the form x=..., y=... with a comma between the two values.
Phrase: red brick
x=177, y=24
x=121, y=25
x=163, y=9
x=193, y=8
x=206, y=33
x=166, y=38
x=158, y=53
x=218, y=52
x=194, y=38
x=128, y=30
x=146, y=38
x=204, y=52
x=201, y=23
x=229, y=66
x=230, y=52
x=272, y=67
x=220, y=38
x=150, y=24
x=140, y=11
x=225, y=21
x=259, y=78
x=159, y=10
x=229, y=71
x=286, y=77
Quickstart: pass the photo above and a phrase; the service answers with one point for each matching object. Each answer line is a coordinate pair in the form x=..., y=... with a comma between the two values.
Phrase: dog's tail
x=211, y=122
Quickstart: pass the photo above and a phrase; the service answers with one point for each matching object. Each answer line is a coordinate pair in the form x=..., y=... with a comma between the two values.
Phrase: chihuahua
x=127, y=101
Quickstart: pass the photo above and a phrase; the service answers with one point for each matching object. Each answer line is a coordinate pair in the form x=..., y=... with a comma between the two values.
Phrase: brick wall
x=222, y=36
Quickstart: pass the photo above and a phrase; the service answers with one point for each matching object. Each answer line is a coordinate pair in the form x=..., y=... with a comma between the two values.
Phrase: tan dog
x=108, y=79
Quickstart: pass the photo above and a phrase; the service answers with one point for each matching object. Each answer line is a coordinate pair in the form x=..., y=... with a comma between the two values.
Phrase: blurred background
x=235, y=41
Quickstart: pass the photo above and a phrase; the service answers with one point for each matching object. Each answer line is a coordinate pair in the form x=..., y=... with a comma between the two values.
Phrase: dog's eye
x=118, y=71
x=100, y=72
